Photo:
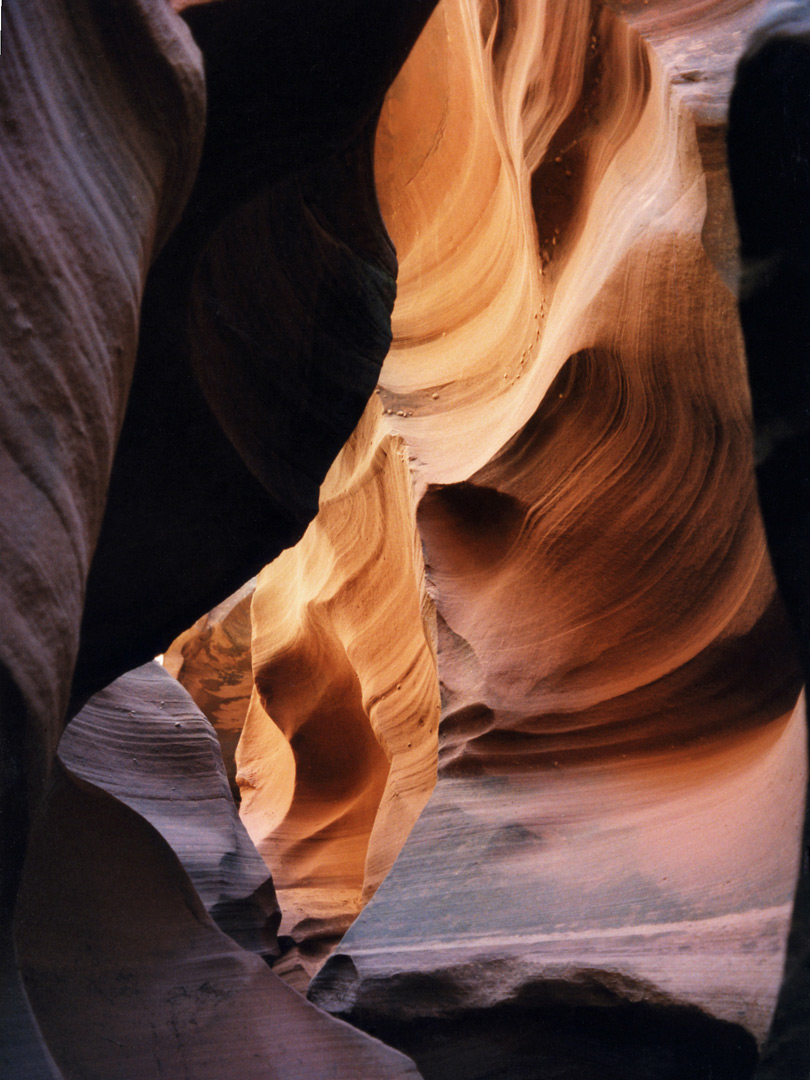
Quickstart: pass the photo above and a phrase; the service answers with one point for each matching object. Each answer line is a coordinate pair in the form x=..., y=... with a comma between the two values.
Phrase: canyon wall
x=502, y=685
x=196, y=272
x=621, y=756
x=146, y=915
x=338, y=751
x=102, y=122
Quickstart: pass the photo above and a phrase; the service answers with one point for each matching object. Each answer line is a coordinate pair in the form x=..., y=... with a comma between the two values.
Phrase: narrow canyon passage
x=407, y=421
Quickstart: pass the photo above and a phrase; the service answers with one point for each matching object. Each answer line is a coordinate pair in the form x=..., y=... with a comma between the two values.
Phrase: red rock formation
x=338, y=754
x=614, y=833
x=212, y=660
x=128, y=974
x=621, y=767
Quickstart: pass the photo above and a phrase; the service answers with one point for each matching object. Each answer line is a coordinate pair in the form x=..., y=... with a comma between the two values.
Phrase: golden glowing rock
x=338, y=753
x=212, y=661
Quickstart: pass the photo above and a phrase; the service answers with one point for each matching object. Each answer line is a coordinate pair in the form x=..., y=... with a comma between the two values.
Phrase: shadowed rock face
x=101, y=142
x=137, y=850
x=143, y=741
x=769, y=142
x=657, y=1041
x=102, y=118
x=260, y=309
x=242, y=353
x=127, y=974
x=544, y=528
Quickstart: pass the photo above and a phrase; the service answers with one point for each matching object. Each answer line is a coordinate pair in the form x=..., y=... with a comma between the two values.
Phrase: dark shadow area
x=264, y=321
x=626, y=1041
x=769, y=165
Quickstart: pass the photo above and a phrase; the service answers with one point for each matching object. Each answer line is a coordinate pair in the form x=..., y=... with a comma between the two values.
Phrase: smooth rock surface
x=338, y=753
x=549, y=516
x=673, y=874
x=129, y=977
x=105, y=134
x=143, y=741
x=100, y=148
x=212, y=660
x=102, y=118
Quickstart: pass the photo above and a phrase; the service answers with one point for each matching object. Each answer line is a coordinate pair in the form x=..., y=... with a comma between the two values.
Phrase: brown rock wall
x=94, y=177
x=136, y=495
x=544, y=529
x=102, y=117
x=129, y=977
x=212, y=661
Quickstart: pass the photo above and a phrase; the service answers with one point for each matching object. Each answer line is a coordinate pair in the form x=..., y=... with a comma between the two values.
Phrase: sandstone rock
x=621, y=764
x=101, y=144
x=129, y=977
x=143, y=741
x=267, y=316
x=212, y=660
x=600, y=884
x=338, y=754
x=102, y=115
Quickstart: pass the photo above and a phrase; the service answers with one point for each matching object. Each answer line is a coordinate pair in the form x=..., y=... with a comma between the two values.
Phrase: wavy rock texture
x=621, y=764
x=212, y=660
x=102, y=117
x=138, y=845
x=338, y=753
x=129, y=976
x=94, y=178
x=266, y=311
x=143, y=741
x=267, y=315
x=601, y=882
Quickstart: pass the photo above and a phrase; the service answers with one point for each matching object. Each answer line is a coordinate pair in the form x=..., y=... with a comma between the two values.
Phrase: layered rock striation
x=102, y=117
x=622, y=762
x=338, y=752
x=213, y=662
x=543, y=531
x=141, y=887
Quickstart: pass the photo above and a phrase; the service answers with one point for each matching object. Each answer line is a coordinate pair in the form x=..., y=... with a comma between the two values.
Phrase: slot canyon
x=405, y=513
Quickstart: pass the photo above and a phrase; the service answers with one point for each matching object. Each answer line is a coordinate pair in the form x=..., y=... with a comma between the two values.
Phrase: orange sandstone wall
x=338, y=752
x=595, y=545
x=620, y=746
